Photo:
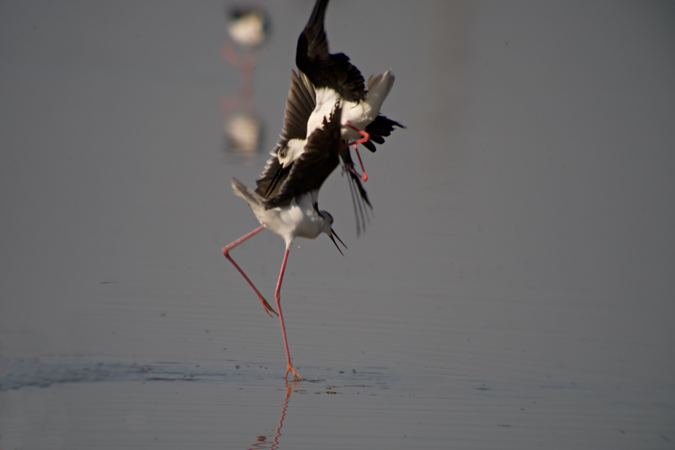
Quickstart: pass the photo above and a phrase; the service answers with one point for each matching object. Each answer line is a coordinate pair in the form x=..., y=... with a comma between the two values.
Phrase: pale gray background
x=515, y=288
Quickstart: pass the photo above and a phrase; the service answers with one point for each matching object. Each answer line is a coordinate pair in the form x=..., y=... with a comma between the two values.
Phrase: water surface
x=513, y=289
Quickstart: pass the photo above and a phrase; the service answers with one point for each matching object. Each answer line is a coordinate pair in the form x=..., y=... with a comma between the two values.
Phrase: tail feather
x=380, y=85
x=243, y=191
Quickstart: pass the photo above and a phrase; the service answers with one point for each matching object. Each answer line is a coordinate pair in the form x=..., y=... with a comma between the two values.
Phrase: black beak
x=332, y=233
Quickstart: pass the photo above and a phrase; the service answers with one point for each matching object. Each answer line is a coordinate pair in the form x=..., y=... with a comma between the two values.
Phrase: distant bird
x=335, y=78
x=248, y=26
x=243, y=130
x=290, y=209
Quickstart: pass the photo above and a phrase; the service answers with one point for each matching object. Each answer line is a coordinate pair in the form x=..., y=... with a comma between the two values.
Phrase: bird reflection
x=261, y=441
x=248, y=29
x=244, y=131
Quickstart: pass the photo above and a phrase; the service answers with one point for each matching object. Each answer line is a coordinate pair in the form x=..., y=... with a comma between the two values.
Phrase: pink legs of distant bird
x=245, y=63
x=364, y=138
x=277, y=293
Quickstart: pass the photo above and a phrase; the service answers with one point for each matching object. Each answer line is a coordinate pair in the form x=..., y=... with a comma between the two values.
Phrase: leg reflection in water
x=261, y=441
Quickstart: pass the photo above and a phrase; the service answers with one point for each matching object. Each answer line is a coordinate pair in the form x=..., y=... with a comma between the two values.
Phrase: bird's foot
x=365, y=136
x=267, y=306
x=352, y=170
x=296, y=375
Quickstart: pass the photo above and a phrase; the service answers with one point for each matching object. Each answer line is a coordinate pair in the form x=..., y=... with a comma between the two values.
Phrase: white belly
x=359, y=114
x=299, y=219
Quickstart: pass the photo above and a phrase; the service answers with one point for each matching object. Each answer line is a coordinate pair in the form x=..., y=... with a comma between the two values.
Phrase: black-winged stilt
x=291, y=208
x=299, y=107
x=248, y=29
x=335, y=78
x=248, y=26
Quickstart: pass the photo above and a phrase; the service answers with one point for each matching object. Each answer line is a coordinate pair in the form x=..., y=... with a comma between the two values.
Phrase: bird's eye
x=282, y=152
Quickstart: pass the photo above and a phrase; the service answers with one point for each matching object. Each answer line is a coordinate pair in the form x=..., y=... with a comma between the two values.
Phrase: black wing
x=316, y=163
x=299, y=106
x=323, y=69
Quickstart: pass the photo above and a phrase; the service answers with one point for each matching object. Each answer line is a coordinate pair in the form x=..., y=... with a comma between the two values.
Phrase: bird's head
x=328, y=229
x=290, y=151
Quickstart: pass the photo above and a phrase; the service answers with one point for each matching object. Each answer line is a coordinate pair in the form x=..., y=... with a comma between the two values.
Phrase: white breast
x=299, y=219
x=325, y=101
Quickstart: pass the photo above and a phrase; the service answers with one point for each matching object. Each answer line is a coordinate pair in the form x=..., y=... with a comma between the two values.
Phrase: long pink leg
x=226, y=253
x=277, y=297
x=364, y=138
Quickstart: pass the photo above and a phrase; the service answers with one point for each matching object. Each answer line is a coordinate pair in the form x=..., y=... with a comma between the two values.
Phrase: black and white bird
x=335, y=78
x=248, y=26
x=290, y=209
x=324, y=79
x=291, y=145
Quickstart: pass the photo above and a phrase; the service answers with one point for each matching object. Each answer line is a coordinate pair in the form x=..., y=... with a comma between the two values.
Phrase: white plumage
x=299, y=219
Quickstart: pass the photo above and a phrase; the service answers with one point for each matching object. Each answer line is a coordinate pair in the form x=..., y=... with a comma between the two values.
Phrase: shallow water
x=513, y=289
